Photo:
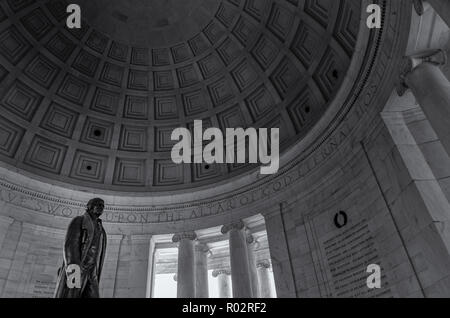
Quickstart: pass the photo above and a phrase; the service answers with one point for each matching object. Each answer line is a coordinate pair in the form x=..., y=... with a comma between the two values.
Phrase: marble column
x=110, y=265
x=240, y=273
x=186, y=264
x=441, y=7
x=265, y=288
x=223, y=277
x=251, y=246
x=421, y=74
x=153, y=278
x=201, y=267
x=132, y=272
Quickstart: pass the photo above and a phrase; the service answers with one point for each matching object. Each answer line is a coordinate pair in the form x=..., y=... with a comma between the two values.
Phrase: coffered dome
x=95, y=107
x=149, y=23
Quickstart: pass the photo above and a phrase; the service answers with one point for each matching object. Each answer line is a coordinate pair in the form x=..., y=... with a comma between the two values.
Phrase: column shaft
x=186, y=265
x=432, y=91
x=240, y=274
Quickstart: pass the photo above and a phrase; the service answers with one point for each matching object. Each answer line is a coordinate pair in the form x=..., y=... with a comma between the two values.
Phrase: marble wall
x=376, y=191
x=327, y=261
x=30, y=256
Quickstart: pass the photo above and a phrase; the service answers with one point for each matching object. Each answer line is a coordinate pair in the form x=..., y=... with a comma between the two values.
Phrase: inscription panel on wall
x=348, y=251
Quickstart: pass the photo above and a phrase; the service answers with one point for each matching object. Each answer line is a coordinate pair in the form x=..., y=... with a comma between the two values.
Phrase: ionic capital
x=202, y=248
x=263, y=264
x=5, y=221
x=191, y=236
x=238, y=225
x=218, y=272
x=436, y=57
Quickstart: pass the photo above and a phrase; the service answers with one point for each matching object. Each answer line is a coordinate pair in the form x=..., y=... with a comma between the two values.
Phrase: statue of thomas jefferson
x=84, y=253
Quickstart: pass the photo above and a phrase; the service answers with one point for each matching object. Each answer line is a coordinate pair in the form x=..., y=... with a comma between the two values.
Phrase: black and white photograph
x=237, y=150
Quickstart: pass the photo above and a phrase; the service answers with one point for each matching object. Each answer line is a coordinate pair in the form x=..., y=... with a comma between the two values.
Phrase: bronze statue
x=84, y=253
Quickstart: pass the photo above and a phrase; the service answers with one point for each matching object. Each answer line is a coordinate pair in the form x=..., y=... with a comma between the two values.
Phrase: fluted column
x=265, y=288
x=5, y=222
x=240, y=274
x=201, y=265
x=442, y=8
x=223, y=277
x=421, y=74
x=186, y=264
x=251, y=246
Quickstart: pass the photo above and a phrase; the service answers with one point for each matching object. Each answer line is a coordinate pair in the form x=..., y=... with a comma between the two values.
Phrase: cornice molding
x=438, y=57
x=234, y=226
x=202, y=248
x=419, y=7
x=218, y=272
x=263, y=264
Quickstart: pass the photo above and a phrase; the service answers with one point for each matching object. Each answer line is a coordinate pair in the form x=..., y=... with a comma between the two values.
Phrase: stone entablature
x=191, y=236
x=221, y=272
x=365, y=92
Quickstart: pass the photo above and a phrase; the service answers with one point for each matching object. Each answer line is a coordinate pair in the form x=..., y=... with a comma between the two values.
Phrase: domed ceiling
x=96, y=107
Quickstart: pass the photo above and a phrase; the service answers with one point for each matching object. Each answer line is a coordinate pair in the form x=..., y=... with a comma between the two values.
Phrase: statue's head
x=96, y=207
